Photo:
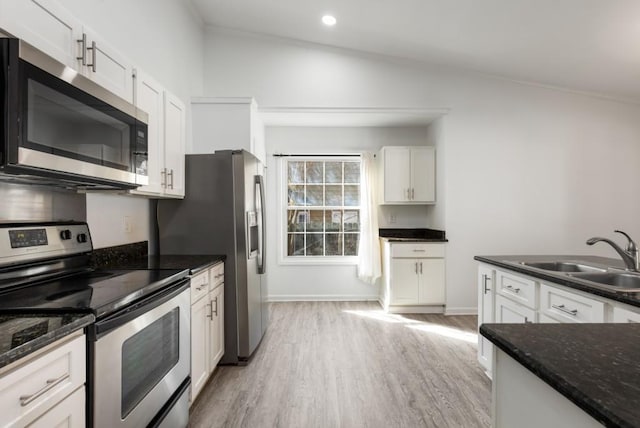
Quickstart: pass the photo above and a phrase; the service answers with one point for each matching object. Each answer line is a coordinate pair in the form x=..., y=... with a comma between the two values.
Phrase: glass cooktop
x=99, y=292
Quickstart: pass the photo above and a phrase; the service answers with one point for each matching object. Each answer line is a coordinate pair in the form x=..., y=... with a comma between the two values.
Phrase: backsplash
x=36, y=203
x=119, y=254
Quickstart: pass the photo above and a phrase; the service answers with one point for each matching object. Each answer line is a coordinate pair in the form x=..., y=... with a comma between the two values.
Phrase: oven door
x=141, y=358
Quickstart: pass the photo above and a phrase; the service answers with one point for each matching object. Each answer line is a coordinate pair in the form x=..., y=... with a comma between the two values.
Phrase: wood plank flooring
x=348, y=364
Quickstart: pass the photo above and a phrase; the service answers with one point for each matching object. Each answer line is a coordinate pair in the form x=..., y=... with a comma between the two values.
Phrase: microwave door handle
x=262, y=230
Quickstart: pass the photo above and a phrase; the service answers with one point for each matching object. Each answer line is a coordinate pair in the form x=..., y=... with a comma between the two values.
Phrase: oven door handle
x=102, y=327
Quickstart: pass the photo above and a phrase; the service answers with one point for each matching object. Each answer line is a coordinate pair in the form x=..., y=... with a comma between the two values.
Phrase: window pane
x=352, y=172
x=315, y=244
x=295, y=244
x=316, y=221
x=296, y=220
x=351, y=244
x=333, y=172
x=333, y=220
x=352, y=221
x=296, y=195
x=314, y=195
x=296, y=172
x=334, y=195
x=333, y=244
x=352, y=196
x=314, y=172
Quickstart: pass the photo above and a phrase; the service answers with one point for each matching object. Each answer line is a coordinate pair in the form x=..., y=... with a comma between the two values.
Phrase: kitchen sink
x=621, y=282
x=563, y=266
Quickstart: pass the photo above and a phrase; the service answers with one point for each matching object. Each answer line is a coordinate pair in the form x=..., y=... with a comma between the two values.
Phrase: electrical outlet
x=127, y=224
x=393, y=218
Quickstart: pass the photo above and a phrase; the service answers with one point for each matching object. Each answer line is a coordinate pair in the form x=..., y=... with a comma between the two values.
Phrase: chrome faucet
x=630, y=256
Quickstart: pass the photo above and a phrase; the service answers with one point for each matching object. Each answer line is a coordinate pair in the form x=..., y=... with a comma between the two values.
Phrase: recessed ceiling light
x=329, y=20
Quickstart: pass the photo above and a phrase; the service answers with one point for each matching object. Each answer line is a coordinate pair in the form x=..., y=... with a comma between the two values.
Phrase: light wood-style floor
x=348, y=364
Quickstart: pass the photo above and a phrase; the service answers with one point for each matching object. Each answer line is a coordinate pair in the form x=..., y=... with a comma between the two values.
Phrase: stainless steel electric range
x=138, y=348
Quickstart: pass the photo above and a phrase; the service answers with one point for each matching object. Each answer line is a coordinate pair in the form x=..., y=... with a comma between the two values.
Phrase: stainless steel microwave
x=58, y=127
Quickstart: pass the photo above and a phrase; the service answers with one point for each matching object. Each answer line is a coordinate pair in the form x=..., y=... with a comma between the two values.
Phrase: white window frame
x=283, y=258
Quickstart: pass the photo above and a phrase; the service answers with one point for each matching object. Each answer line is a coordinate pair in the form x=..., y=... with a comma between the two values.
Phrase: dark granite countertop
x=195, y=263
x=413, y=235
x=594, y=365
x=512, y=262
x=23, y=334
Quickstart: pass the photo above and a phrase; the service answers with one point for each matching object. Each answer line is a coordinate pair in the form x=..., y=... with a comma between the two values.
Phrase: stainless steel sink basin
x=563, y=266
x=621, y=282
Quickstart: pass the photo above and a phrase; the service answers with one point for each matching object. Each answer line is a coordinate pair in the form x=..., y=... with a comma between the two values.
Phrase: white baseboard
x=461, y=311
x=322, y=298
x=435, y=309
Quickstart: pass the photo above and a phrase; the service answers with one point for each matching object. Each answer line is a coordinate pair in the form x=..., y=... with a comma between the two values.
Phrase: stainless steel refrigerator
x=222, y=213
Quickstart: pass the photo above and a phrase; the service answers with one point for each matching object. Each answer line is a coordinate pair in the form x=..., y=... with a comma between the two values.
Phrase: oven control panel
x=31, y=241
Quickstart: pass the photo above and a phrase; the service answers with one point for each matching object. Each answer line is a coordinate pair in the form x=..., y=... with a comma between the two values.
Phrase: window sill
x=318, y=261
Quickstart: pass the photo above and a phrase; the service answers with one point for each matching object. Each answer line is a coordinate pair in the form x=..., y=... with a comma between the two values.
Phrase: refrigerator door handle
x=259, y=183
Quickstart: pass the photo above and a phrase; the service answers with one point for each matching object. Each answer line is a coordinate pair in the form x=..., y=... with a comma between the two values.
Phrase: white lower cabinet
x=569, y=307
x=623, y=314
x=69, y=413
x=414, y=277
x=486, y=304
x=36, y=390
x=508, y=311
x=207, y=325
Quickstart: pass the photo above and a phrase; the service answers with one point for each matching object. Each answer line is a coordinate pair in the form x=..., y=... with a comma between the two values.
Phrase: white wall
x=165, y=39
x=286, y=282
x=527, y=169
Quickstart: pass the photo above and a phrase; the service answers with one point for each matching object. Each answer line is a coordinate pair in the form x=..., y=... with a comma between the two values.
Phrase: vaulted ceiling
x=584, y=45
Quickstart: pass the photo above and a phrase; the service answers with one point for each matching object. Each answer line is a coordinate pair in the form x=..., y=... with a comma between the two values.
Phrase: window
x=322, y=207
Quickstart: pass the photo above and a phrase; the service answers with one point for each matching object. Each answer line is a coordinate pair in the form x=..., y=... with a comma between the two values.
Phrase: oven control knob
x=65, y=234
x=82, y=237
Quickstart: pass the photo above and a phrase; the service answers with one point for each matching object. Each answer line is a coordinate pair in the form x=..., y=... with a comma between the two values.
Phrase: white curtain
x=369, y=264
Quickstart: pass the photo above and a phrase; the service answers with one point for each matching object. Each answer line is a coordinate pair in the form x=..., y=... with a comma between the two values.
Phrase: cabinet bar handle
x=25, y=400
x=198, y=288
x=420, y=267
x=216, y=311
x=210, y=315
x=526, y=321
x=93, y=50
x=416, y=268
x=485, y=278
x=83, y=45
x=515, y=290
x=413, y=193
x=170, y=174
x=163, y=178
x=419, y=251
x=564, y=309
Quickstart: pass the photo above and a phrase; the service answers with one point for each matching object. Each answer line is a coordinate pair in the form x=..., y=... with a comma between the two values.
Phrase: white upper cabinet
x=407, y=175
x=49, y=27
x=174, y=146
x=105, y=65
x=149, y=97
x=166, y=138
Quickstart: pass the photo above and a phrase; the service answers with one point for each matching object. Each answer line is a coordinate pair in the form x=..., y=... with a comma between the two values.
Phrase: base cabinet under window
x=414, y=277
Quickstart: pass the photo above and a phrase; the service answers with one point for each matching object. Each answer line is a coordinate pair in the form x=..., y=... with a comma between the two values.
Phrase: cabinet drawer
x=32, y=389
x=199, y=286
x=621, y=314
x=217, y=275
x=67, y=414
x=569, y=307
x=417, y=250
x=516, y=288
